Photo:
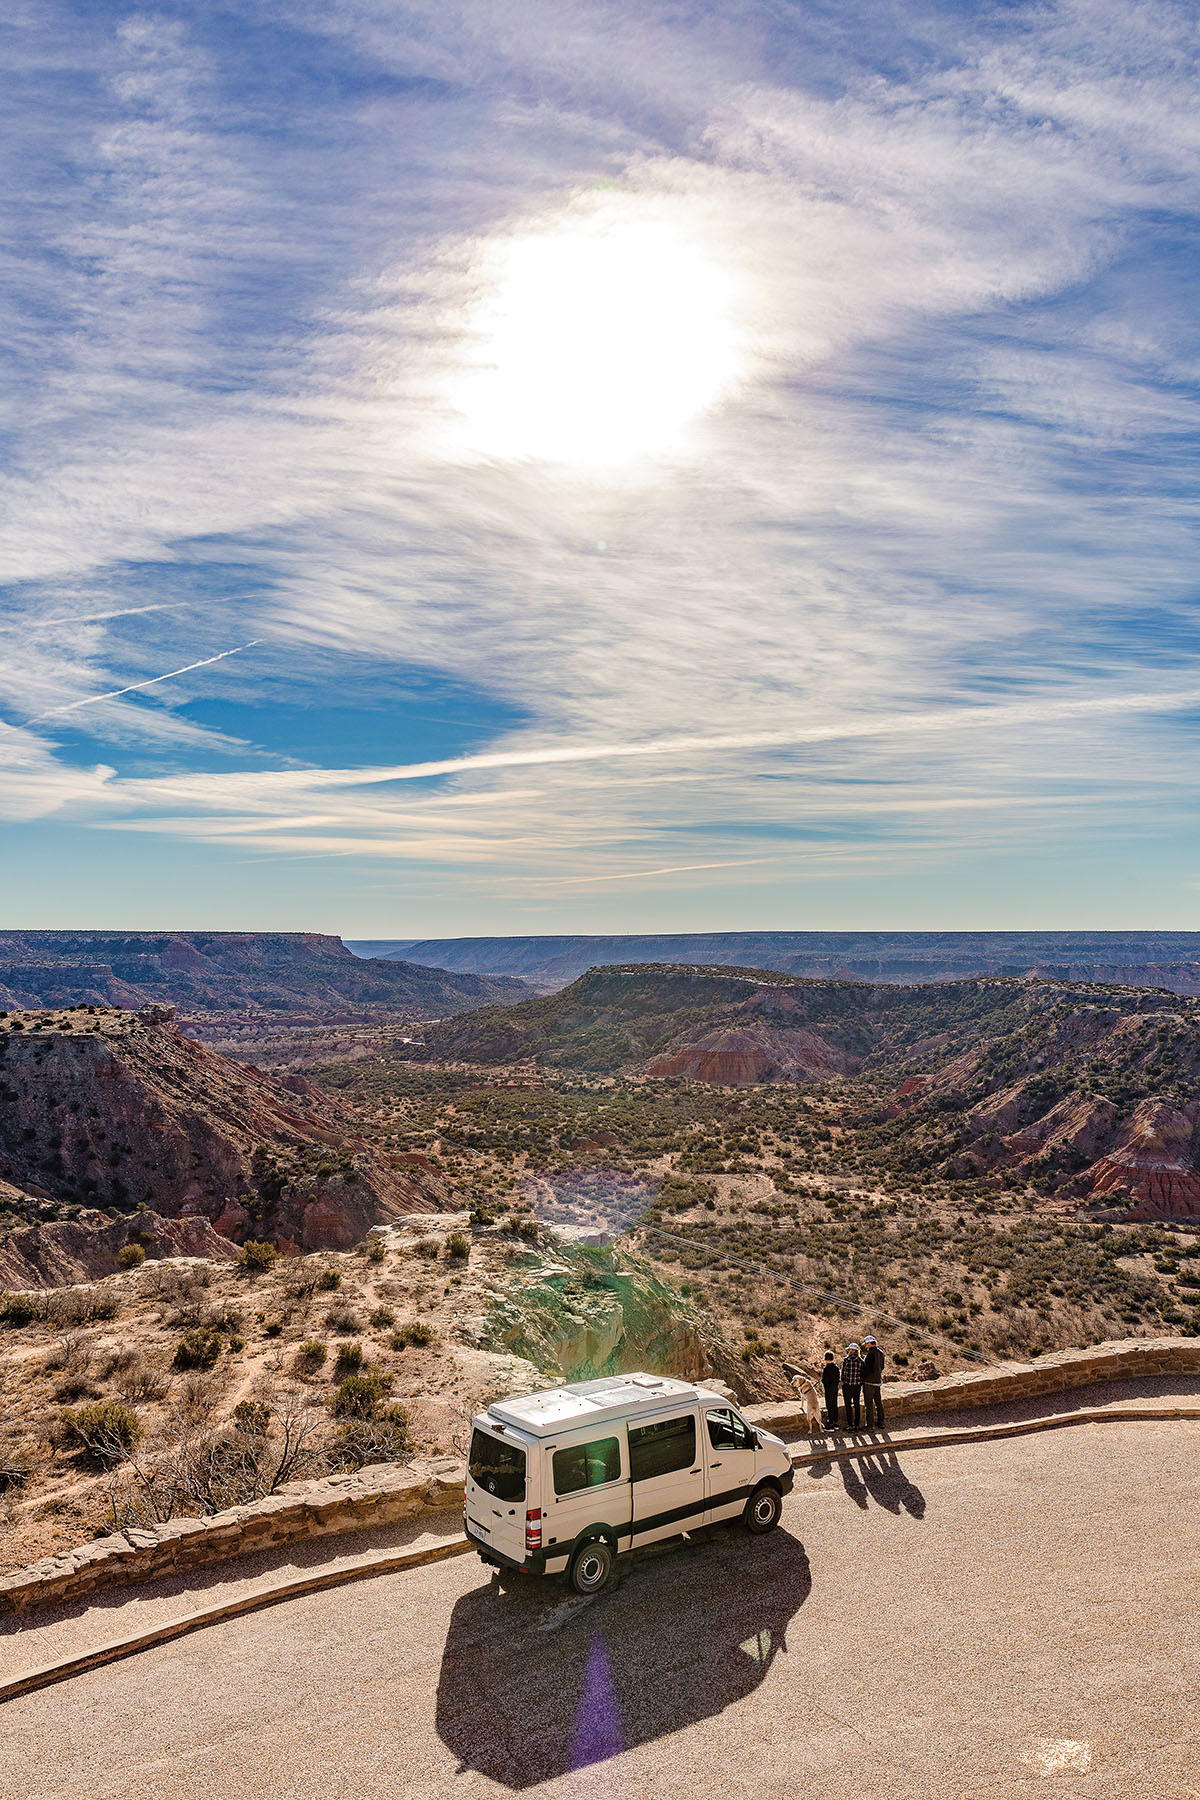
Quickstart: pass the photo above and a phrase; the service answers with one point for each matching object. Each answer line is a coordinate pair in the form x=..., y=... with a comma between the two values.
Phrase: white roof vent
x=645, y=1381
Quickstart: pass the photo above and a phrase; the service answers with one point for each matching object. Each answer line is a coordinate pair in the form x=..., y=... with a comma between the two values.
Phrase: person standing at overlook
x=829, y=1381
x=872, y=1362
x=852, y=1375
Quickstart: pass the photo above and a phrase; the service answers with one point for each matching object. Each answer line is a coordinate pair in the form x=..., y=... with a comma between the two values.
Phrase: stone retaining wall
x=377, y=1495
x=388, y=1491
x=1125, y=1360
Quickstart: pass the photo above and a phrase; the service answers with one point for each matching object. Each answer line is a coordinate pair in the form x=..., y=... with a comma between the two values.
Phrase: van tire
x=590, y=1567
x=763, y=1509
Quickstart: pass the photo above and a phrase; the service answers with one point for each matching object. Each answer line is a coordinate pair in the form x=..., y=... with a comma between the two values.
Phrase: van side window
x=727, y=1432
x=659, y=1448
x=586, y=1465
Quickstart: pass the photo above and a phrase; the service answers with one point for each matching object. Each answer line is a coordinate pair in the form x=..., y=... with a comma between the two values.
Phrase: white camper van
x=565, y=1479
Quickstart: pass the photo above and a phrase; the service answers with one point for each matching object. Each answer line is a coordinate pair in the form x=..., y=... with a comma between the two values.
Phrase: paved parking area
x=1002, y=1619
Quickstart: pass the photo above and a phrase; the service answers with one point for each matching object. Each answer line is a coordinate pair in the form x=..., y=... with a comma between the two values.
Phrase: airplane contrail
x=135, y=686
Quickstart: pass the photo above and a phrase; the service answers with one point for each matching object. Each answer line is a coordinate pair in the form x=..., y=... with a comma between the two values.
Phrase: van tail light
x=533, y=1528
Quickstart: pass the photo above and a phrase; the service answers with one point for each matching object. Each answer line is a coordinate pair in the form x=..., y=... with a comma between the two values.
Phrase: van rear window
x=586, y=1465
x=497, y=1467
x=659, y=1448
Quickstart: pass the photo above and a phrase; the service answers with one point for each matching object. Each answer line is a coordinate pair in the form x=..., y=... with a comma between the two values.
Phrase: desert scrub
x=311, y=1355
x=383, y=1316
x=343, y=1320
x=362, y=1396
x=350, y=1360
x=328, y=1280
x=374, y=1440
x=106, y=1431
x=417, y=1332
x=17, y=1310
x=255, y=1256
x=458, y=1245
x=130, y=1256
x=252, y=1418
x=428, y=1247
x=197, y=1349
x=134, y=1375
x=375, y=1251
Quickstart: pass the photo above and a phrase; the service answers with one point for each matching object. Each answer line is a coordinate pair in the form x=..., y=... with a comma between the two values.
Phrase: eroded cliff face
x=1154, y=1160
x=118, y=1110
x=743, y=1056
x=580, y=1311
x=54, y=1252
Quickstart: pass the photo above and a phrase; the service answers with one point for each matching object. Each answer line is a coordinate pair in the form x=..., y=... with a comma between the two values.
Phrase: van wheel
x=590, y=1567
x=763, y=1509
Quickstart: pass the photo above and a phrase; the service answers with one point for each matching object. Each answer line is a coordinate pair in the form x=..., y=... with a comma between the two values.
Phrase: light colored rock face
x=117, y=1109
x=582, y=1313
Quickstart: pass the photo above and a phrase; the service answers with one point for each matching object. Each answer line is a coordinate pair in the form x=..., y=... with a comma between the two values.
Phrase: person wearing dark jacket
x=829, y=1381
x=852, y=1374
x=872, y=1363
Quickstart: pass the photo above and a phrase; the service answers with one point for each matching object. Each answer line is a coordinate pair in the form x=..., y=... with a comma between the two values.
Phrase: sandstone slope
x=120, y=1113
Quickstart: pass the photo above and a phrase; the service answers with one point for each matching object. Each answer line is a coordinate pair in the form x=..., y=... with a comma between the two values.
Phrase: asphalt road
x=1006, y=1619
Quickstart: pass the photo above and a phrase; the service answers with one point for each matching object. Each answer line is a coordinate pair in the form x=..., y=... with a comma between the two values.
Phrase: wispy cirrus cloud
x=928, y=558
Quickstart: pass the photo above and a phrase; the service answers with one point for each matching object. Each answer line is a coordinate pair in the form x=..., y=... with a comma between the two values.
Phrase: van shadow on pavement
x=536, y=1683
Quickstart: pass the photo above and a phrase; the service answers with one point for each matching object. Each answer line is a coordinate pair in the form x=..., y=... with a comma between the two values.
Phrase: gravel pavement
x=1007, y=1619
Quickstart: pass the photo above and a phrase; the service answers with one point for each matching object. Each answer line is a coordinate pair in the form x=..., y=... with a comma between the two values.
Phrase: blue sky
x=590, y=466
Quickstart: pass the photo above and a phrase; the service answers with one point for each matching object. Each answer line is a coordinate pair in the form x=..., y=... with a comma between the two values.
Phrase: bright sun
x=598, y=341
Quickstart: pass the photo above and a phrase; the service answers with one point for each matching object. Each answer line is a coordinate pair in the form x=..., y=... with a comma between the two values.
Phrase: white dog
x=807, y=1389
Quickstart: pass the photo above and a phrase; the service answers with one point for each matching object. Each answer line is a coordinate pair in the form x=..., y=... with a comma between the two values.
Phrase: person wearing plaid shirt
x=852, y=1376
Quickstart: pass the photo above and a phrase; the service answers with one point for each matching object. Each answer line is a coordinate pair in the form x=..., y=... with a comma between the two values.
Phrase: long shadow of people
x=889, y=1486
x=852, y=1482
x=536, y=1683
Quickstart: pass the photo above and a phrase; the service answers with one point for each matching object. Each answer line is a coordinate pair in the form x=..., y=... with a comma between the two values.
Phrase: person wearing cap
x=852, y=1374
x=872, y=1361
x=829, y=1381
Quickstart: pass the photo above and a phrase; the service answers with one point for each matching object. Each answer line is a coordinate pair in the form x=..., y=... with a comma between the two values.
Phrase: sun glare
x=598, y=342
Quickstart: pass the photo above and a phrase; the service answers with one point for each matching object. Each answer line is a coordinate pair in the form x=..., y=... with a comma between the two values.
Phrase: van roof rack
x=591, y=1402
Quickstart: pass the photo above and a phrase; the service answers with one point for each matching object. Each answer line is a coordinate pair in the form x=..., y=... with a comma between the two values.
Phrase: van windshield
x=496, y=1466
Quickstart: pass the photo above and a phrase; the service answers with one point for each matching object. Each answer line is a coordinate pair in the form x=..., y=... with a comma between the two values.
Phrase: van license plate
x=476, y=1526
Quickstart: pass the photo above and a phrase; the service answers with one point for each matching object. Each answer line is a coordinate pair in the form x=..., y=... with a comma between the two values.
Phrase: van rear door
x=666, y=1470
x=497, y=1491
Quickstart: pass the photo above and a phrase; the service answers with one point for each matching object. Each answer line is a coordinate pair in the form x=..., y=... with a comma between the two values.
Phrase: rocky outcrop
x=120, y=1111
x=1154, y=1162
x=582, y=1311
x=56, y=1252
